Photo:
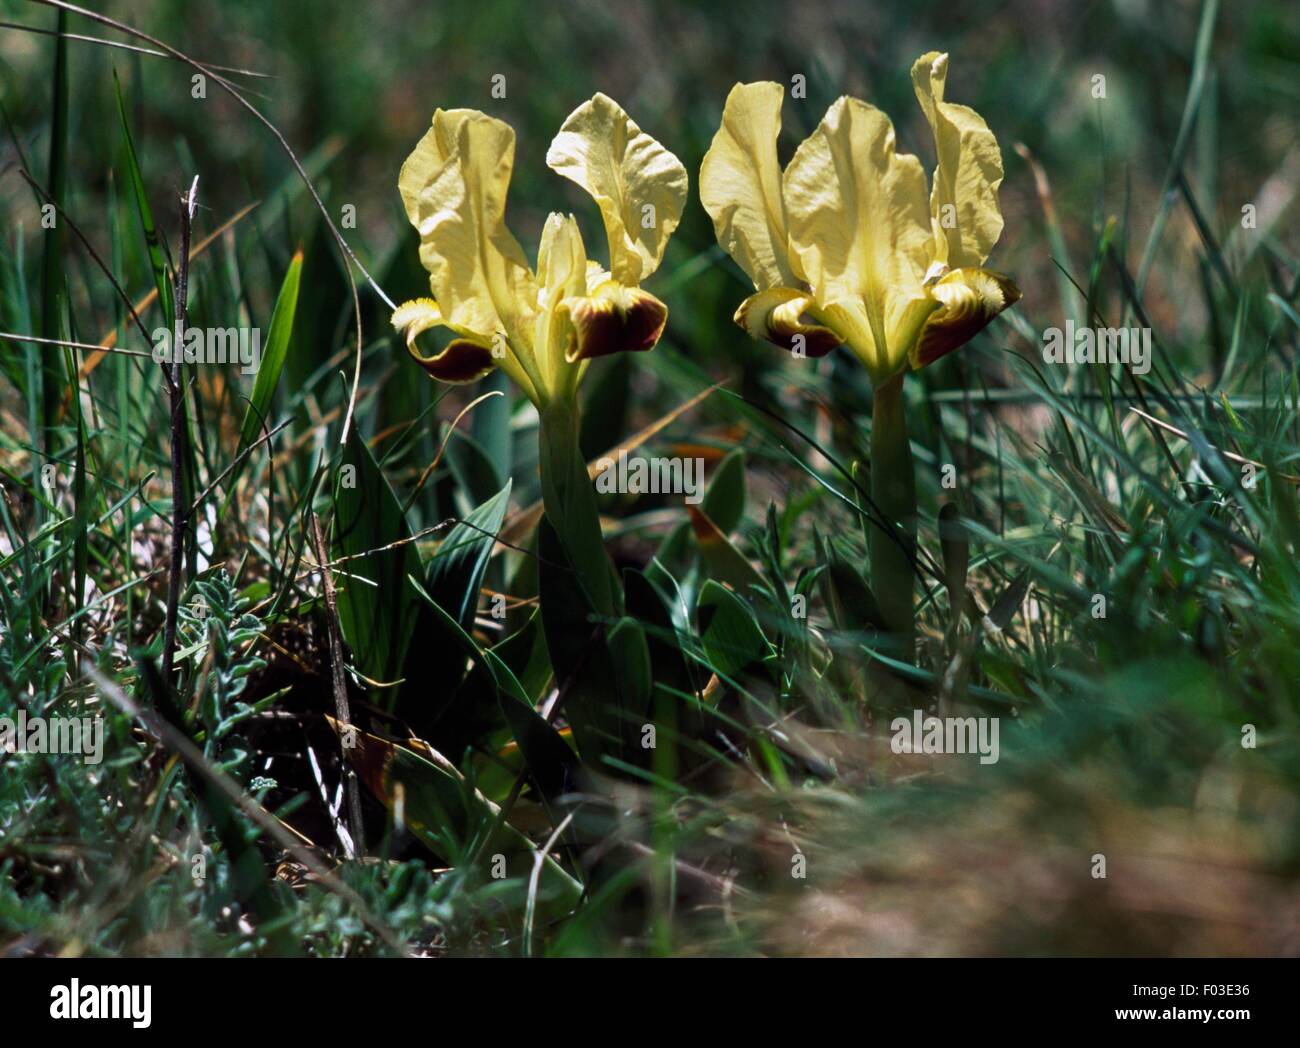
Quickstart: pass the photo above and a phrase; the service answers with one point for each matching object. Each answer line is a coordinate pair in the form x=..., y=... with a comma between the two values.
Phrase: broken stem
x=179, y=507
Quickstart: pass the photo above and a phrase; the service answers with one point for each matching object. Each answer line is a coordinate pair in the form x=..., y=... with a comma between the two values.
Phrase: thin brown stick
x=340, y=687
x=1231, y=455
x=109, y=340
x=517, y=527
x=267, y=434
x=451, y=431
x=179, y=508
x=13, y=336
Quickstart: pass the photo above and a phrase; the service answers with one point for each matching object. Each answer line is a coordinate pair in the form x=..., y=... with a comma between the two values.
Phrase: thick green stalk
x=569, y=499
x=893, y=489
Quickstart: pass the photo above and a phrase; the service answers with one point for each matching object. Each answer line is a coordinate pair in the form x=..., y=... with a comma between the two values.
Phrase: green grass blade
x=273, y=353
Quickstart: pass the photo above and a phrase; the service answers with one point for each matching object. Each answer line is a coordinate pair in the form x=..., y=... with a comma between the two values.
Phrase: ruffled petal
x=740, y=186
x=639, y=186
x=859, y=221
x=781, y=316
x=466, y=358
x=616, y=319
x=968, y=299
x=964, y=198
x=454, y=187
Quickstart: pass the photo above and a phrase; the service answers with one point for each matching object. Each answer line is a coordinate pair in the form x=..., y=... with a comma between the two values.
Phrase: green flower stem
x=893, y=489
x=569, y=499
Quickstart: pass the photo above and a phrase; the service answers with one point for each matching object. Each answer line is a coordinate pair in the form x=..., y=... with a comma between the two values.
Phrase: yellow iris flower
x=541, y=327
x=849, y=245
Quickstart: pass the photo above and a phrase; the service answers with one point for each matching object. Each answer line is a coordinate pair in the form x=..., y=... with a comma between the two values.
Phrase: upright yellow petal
x=859, y=222
x=426, y=160
x=454, y=187
x=561, y=259
x=561, y=275
x=964, y=199
x=740, y=186
x=639, y=185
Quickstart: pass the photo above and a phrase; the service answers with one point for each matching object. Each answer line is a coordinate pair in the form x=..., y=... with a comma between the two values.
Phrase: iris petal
x=454, y=187
x=740, y=186
x=964, y=198
x=615, y=320
x=859, y=221
x=778, y=316
x=969, y=299
x=639, y=186
x=466, y=358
